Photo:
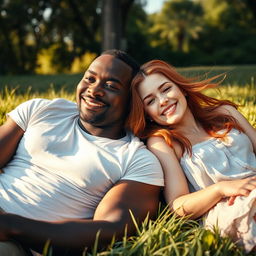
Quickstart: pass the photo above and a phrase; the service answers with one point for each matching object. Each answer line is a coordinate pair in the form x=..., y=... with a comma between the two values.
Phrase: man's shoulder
x=141, y=149
x=143, y=165
x=41, y=102
x=41, y=108
x=62, y=102
x=54, y=104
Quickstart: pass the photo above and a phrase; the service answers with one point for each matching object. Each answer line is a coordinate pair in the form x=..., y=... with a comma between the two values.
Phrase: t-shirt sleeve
x=145, y=168
x=25, y=112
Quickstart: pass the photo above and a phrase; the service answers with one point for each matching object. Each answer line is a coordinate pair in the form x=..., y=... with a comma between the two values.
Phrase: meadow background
x=238, y=86
x=168, y=234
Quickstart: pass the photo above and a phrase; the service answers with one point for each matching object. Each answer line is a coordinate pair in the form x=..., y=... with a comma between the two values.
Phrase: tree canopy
x=49, y=36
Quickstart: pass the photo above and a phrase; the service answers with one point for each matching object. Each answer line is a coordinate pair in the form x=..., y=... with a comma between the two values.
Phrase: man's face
x=103, y=93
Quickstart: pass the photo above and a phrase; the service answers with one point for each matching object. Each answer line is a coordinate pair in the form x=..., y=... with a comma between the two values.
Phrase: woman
x=202, y=139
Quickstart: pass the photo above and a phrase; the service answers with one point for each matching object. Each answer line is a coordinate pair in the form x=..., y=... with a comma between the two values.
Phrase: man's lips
x=170, y=109
x=93, y=104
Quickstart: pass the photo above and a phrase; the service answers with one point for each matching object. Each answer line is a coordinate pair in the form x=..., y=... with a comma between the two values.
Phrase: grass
x=168, y=234
x=171, y=235
x=241, y=75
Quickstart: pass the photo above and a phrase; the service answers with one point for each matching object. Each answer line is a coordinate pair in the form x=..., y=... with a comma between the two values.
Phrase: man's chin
x=93, y=120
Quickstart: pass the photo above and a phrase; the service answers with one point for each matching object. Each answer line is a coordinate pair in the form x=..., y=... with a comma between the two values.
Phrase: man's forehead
x=109, y=62
x=108, y=65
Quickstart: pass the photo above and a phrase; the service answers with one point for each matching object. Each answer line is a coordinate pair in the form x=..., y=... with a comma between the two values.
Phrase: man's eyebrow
x=114, y=80
x=108, y=79
x=92, y=72
x=159, y=88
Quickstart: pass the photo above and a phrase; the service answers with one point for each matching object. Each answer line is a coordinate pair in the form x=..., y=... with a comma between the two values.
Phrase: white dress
x=216, y=160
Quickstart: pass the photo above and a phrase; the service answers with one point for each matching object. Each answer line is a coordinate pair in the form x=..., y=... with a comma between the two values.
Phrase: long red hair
x=201, y=106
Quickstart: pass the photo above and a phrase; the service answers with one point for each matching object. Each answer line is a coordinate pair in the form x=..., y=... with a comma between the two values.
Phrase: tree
x=20, y=34
x=114, y=17
x=58, y=31
x=178, y=21
x=230, y=32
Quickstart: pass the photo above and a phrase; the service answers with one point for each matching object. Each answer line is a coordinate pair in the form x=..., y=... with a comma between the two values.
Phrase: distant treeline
x=48, y=36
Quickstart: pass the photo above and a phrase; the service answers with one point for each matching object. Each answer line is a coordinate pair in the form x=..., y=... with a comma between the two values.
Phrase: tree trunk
x=114, y=17
x=111, y=24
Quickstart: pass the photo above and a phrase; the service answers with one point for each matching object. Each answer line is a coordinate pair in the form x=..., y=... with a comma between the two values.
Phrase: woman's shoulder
x=227, y=110
x=159, y=143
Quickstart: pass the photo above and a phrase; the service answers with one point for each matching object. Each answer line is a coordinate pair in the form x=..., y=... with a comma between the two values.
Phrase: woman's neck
x=188, y=124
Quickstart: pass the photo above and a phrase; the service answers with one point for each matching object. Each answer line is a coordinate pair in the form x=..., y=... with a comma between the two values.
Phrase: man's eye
x=90, y=79
x=111, y=86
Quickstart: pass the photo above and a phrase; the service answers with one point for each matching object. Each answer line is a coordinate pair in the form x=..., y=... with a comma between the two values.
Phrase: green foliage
x=229, y=33
x=66, y=29
x=53, y=36
x=168, y=235
x=178, y=21
x=212, y=32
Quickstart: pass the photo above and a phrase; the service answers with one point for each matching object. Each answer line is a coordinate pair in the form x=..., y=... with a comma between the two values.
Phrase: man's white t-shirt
x=59, y=171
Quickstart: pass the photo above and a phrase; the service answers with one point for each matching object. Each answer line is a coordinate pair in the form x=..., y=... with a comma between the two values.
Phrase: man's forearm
x=64, y=236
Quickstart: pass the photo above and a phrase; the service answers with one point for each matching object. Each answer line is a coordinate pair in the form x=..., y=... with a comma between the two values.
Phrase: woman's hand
x=234, y=188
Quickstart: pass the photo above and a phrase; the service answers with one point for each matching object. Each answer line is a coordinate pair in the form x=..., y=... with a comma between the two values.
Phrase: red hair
x=201, y=106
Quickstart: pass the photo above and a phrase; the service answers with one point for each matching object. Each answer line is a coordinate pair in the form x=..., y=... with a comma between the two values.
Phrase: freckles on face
x=163, y=101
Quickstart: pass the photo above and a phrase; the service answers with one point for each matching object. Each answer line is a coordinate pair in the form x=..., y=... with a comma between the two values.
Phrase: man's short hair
x=123, y=56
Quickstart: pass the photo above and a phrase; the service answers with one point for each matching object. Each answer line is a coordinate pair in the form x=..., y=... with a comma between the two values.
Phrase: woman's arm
x=175, y=180
x=249, y=130
x=199, y=202
x=176, y=189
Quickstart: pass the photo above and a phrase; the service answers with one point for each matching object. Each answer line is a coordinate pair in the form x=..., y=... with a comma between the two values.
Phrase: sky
x=153, y=5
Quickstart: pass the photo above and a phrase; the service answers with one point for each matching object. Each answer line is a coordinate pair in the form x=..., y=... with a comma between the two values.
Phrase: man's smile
x=93, y=104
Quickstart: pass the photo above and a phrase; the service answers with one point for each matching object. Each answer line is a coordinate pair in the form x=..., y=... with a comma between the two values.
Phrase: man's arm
x=111, y=217
x=10, y=135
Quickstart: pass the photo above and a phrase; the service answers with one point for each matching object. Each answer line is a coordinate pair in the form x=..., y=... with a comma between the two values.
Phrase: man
x=71, y=170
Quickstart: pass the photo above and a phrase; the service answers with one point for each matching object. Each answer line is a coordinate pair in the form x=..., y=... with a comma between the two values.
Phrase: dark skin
x=101, y=95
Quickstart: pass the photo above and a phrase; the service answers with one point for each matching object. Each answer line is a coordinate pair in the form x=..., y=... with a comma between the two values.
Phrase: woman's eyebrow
x=159, y=88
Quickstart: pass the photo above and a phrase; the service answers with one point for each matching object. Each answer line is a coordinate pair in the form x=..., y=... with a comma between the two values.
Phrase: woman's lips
x=170, y=109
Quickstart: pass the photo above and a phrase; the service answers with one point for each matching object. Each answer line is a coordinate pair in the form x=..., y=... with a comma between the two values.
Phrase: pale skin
x=165, y=104
x=107, y=82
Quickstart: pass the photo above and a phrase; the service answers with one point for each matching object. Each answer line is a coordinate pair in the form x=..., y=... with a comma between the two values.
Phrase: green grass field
x=240, y=75
x=168, y=235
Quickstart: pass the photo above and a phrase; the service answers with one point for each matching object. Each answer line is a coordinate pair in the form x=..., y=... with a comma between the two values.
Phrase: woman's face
x=163, y=101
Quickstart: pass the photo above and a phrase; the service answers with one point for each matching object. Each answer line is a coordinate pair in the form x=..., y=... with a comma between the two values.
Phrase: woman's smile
x=168, y=111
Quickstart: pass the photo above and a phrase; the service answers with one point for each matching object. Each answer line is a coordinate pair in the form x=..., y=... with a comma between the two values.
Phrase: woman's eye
x=150, y=102
x=166, y=89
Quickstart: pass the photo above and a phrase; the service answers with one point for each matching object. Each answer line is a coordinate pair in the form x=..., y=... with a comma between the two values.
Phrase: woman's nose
x=163, y=101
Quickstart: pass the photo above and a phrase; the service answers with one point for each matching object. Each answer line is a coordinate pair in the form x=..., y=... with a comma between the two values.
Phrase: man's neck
x=113, y=132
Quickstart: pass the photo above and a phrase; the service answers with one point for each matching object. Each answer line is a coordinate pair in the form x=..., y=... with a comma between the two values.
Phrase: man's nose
x=96, y=89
